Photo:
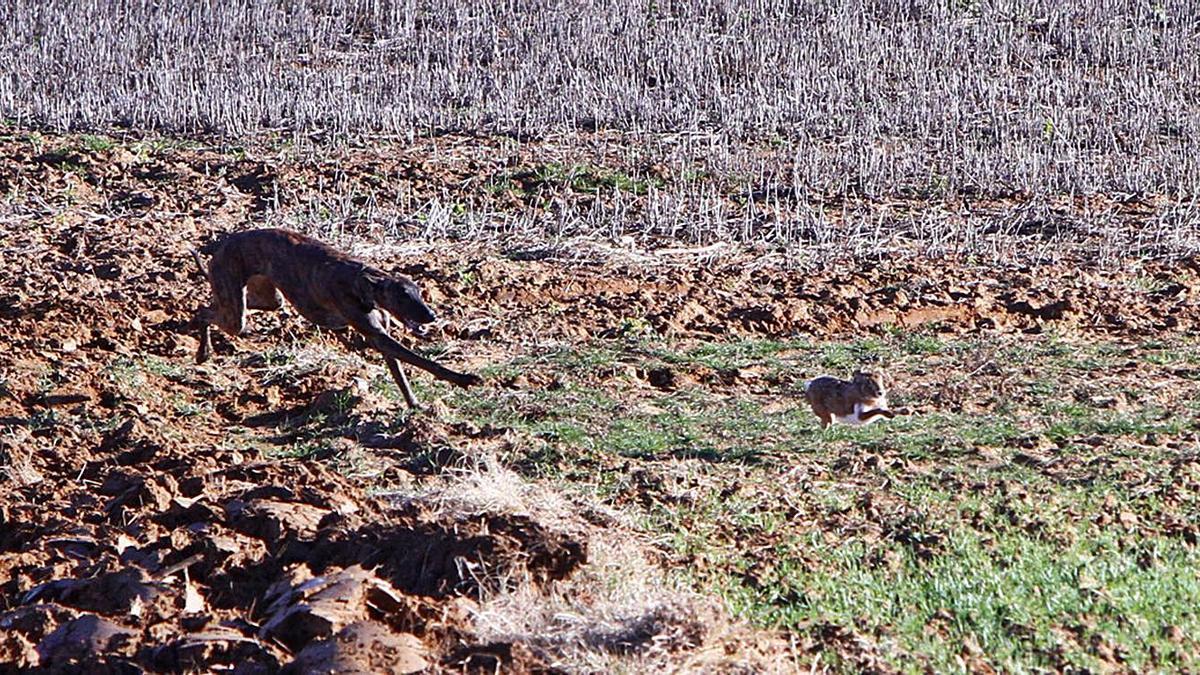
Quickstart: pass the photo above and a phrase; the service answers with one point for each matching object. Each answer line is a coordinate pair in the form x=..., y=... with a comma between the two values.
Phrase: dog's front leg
x=397, y=373
x=391, y=349
x=371, y=328
x=401, y=381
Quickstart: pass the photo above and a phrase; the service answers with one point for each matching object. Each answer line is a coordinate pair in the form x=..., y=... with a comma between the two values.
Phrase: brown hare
x=861, y=400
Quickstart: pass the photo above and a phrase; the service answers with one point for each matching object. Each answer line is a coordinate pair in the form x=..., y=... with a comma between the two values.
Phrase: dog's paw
x=469, y=380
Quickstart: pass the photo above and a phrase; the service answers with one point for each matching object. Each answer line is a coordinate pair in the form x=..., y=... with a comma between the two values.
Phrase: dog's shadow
x=417, y=444
x=329, y=416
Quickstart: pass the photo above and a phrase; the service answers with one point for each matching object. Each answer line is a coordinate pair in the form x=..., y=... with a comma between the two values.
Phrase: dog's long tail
x=199, y=263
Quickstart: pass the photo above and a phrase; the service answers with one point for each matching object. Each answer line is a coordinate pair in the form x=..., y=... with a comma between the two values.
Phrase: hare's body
x=859, y=415
x=861, y=400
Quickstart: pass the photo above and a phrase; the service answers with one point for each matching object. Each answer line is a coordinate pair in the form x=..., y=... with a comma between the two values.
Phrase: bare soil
x=133, y=535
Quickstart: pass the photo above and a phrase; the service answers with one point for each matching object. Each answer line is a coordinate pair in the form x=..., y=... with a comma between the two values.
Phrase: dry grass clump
x=619, y=612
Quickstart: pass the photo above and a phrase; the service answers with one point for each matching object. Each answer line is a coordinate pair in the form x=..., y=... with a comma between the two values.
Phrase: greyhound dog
x=259, y=268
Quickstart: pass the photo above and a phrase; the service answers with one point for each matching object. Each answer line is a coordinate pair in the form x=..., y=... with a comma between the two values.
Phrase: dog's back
x=262, y=250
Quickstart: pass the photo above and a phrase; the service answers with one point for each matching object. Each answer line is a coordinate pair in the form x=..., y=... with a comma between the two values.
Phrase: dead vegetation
x=841, y=127
x=872, y=98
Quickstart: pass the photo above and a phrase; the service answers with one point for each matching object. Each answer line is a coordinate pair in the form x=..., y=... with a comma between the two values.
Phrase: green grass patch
x=1009, y=511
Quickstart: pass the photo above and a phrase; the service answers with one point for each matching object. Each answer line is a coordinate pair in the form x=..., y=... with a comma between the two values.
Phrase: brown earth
x=132, y=535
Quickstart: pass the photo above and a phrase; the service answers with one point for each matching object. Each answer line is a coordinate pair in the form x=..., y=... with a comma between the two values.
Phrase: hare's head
x=869, y=383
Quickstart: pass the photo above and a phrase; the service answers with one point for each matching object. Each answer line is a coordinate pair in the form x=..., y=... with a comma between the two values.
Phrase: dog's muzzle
x=418, y=329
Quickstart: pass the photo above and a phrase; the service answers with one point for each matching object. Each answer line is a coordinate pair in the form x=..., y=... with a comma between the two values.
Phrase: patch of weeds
x=186, y=408
x=992, y=431
x=36, y=141
x=385, y=386
x=921, y=344
x=468, y=277
x=592, y=358
x=343, y=402
x=1146, y=283
x=847, y=357
x=565, y=432
x=502, y=184
x=47, y=380
x=1043, y=388
x=635, y=327
x=283, y=364
x=277, y=357
x=913, y=438
x=579, y=178
x=730, y=355
x=1071, y=421
x=96, y=144
x=1170, y=354
x=545, y=460
x=157, y=366
x=126, y=373
x=506, y=370
x=43, y=420
x=306, y=449
x=1025, y=602
x=657, y=437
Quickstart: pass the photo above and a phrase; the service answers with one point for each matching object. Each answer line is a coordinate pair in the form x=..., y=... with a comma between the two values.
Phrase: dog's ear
x=367, y=285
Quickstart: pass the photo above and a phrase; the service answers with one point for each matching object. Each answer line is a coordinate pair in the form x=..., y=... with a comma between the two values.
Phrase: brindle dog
x=259, y=268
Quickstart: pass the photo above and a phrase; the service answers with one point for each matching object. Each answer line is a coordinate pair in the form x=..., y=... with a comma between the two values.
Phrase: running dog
x=259, y=268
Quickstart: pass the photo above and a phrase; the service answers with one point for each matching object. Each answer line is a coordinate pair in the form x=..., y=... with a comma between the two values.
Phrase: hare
x=862, y=400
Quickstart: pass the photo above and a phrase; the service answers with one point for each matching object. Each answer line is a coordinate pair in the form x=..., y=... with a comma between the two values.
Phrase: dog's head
x=399, y=296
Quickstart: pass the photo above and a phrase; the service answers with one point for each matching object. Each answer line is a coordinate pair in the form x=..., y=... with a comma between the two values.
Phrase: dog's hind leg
x=199, y=263
x=229, y=301
x=203, y=320
x=204, y=315
x=228, y=306
x=262, y=294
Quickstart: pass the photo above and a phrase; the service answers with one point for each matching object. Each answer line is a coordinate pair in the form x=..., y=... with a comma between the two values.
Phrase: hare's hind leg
x=823, y=414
